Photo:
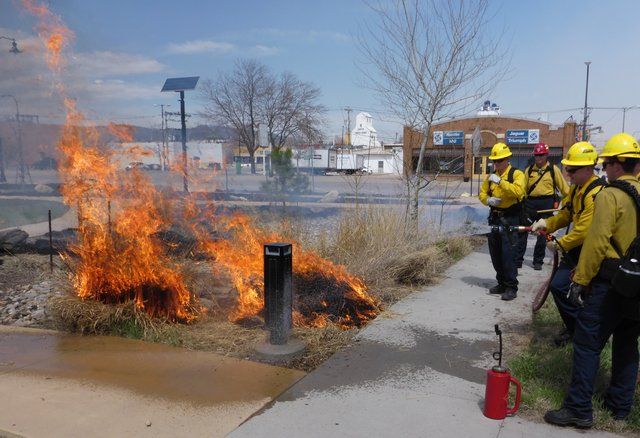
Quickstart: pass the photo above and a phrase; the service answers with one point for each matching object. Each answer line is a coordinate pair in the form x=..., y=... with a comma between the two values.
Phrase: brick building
x=449, y=148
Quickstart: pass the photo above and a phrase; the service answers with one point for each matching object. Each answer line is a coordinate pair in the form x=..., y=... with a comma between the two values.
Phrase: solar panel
x=180, y=84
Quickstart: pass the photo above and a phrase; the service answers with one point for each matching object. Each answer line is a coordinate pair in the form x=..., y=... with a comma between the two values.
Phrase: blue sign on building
x=453, y=138
x=522, y=136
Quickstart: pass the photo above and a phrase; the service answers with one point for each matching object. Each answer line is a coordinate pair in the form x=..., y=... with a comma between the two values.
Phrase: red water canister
x=497, y=394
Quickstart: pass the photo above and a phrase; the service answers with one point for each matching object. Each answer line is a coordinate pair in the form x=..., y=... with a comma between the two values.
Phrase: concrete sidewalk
x=417, y=371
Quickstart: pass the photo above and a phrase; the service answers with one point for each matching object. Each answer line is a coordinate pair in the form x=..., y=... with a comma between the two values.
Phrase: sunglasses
x=572, y=170
x=606, y=163
x=499, y=161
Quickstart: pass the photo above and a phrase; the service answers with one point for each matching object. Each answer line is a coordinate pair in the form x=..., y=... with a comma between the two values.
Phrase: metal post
x=473, y=165
x=50, y=245
x=278, y=296
x=183, y=122
x=586, y=93
x=3, y=178
x=624, y=116
x=226, y=179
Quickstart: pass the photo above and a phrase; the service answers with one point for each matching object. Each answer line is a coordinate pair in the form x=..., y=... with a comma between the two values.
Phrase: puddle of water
x=152, y=370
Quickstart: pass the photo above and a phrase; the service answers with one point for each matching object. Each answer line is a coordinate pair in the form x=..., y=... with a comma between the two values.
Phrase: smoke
x=97, y=79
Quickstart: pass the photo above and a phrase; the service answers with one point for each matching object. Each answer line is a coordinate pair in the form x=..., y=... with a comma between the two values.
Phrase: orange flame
x=119, y=258
x=54, y=34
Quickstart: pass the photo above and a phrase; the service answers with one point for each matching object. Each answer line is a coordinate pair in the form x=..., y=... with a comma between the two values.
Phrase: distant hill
x=200, y=132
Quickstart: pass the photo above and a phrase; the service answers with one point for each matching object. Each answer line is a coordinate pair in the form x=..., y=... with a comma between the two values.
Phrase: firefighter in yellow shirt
x=577, y=210
x=605, y=310
x=544, y=183
x=503, y=191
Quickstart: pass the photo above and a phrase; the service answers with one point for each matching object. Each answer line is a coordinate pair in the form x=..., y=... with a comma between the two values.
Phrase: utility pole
x=348, y=133
x=165, y=146
x=21, y=171
x=586, y=115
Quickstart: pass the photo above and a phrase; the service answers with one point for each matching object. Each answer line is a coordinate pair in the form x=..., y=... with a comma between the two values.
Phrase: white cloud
x=307, y=35
x=200, y=46
x=93, y=78
x=260, y=50
x=104, y=64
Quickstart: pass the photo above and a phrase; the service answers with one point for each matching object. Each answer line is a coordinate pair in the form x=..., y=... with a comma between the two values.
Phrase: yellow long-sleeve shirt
x=509, y=193
x=574, y=211
x=545, y=187
x=614, y=216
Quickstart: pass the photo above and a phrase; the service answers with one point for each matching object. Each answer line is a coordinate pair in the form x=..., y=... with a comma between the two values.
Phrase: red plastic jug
x=496, y=396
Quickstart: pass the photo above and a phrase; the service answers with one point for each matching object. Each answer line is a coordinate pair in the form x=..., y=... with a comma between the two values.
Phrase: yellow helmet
x=500, y=151
x=621, y=145
x=581, y=154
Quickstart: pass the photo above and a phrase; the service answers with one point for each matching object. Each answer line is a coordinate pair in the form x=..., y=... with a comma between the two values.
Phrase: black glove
x=577, y=294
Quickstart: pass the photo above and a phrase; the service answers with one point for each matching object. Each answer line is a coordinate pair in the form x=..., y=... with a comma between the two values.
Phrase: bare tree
x=236, y=99
x=290, y=107
x=431, y=59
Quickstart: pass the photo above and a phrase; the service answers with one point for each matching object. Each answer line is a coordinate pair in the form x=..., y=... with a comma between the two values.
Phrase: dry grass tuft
x=220, y=336
x=420, y=267
x=367, y=239
x=377, y=244
x=72, y=314
x=320, y=343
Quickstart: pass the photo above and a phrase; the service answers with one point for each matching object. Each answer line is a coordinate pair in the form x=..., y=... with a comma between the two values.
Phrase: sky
x=124, y=50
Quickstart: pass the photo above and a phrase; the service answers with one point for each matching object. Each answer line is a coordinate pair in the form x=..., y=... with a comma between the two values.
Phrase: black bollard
x=278, y=296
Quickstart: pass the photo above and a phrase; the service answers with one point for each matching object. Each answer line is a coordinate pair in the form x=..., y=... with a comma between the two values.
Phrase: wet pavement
x=66, y=385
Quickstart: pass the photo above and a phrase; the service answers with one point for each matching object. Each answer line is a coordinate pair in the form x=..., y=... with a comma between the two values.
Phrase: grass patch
x=545, y=373
x=72, y=314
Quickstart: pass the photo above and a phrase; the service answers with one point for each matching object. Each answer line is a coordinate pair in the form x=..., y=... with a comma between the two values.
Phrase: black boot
x=537, y=266
x=509, y=294
x=616, y=415
x=498, y=289
x=564, y=417
x=563, y=338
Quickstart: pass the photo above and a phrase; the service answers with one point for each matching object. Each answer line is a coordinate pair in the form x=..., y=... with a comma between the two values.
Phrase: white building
x=364, y=134
x=382, y=160
x=205, y=154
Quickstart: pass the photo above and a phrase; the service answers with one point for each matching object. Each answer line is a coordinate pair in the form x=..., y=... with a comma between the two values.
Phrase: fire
x=54, y=34
x=119, y=257
x=324, y=292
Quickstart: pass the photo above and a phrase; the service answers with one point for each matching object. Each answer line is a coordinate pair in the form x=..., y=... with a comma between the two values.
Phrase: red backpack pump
x=497, y=391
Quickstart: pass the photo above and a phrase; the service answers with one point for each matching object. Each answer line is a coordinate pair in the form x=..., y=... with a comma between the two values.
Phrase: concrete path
x=56, y=385
x=67, y=220
x=417, y=371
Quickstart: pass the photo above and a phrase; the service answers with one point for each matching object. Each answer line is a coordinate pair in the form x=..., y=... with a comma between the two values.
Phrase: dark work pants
x=502, y=254
x=603, y=315
x=559, y=288
x=532, y=205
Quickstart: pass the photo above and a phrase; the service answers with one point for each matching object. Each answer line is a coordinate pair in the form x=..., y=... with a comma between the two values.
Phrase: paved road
x=390, y=185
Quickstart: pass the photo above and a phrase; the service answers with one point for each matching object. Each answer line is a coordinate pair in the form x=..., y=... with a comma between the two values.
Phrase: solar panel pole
x=184, y=143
